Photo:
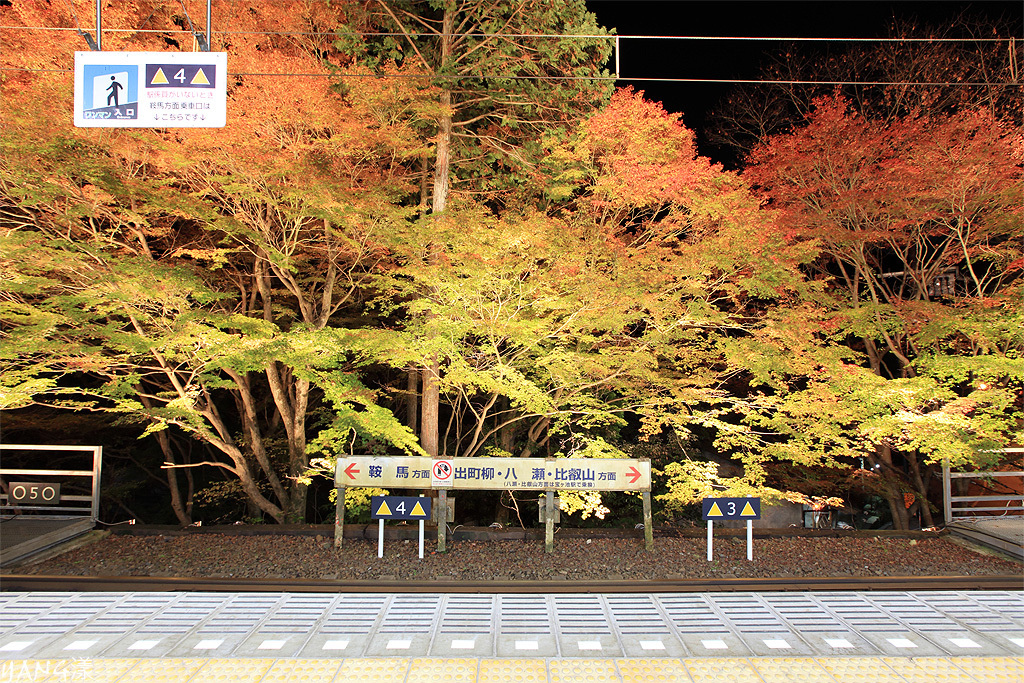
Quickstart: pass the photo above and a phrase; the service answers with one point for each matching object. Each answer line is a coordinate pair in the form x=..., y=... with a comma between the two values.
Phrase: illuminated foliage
x=919, y=223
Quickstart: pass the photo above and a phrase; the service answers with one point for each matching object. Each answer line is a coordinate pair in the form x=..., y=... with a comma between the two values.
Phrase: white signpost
x=731, y=508
x=150, y=89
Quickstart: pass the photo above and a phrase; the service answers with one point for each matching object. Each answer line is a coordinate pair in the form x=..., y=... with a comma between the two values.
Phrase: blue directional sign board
x=399, y=507
x=731, y=508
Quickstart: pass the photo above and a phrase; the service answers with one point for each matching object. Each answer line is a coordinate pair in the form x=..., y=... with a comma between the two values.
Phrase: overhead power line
x=641, y=79
x=617, y=38
x=588, y=36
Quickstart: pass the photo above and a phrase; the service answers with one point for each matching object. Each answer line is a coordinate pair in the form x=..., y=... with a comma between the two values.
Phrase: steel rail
x=54, y=583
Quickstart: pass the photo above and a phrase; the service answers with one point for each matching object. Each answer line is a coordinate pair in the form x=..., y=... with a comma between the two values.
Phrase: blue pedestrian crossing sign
x=731, y=508
x=399, y=507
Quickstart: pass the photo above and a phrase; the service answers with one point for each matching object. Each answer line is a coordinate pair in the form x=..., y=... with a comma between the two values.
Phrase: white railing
x=1013, y=505
x=8, y=504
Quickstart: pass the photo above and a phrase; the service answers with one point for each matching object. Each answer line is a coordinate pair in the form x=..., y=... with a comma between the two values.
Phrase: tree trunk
x=291, y=395
x=874, y=357
x=298, y=460
x=533, y=437
x=164, y=441
x=442, y=162
x=430, y=409
x=177, y=505
x=412, y=395
x=893, y=495
x=922, y=490
x=190, y=496
x=430, y=403
x=507, y=434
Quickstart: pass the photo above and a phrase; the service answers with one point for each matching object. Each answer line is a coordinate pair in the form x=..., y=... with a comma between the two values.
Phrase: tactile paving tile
x=644, y=670
x=991, y=669
x=372, y=670
x=424, y=670
x=169, y=670
x=928, y=669
x=39, y=670
x=512, y=671
x=789, y=670
x=859, y=669
x=234, y=670
x=83, y=669
x=583, y=671
x=98, y=670
x=723, y=670
x=302, y=670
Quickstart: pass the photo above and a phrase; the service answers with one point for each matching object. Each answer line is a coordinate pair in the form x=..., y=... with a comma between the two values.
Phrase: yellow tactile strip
x=553, y=670
x=512, y=671
x=790, y=670
x=431, y=670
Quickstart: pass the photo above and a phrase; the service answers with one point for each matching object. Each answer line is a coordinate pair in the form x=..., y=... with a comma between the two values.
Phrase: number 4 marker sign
x=398, y=507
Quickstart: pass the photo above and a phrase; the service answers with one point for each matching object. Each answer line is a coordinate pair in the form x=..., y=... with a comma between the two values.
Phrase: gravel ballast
x=282, y=556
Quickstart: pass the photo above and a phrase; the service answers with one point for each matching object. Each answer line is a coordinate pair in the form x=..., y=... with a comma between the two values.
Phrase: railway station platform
x=21, y=536
x=1005, y=534
x=469, y=670
x=760, y=637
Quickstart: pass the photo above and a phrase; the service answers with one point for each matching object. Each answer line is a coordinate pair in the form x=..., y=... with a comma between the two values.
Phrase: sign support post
x=442, y=520
x=442, y=477
x=398, y=507
x=750, y=540
x=711, y=541
x=339, y=517
x=549, y=522
x=648, y=522
x=732, y=508
x=422, y=523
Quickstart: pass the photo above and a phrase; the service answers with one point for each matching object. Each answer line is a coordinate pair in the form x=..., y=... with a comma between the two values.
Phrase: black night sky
x=734, y=59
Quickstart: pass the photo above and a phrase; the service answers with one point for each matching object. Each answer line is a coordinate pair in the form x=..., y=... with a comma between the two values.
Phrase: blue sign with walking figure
x=111, y=92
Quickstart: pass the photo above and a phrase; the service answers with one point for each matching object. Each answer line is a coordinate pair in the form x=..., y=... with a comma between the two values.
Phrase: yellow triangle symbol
x=159, y=78
x=200, y=79
x=748, y=511
x=384, y=509
x=417, y=511
x=714, y=511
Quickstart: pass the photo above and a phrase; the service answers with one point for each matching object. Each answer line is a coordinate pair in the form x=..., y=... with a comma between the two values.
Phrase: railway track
x=50, y=583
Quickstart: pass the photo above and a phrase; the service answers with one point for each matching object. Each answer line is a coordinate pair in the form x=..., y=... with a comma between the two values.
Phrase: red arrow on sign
x=350, y=472
x=633, y=475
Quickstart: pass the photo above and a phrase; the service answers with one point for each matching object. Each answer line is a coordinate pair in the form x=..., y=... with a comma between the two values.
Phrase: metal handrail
x=94, y=474
x=949, y=499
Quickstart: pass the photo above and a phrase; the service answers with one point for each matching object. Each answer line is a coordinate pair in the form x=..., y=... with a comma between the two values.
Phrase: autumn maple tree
x=504, y=73
x=196, y=272
x=440, y=200
x=918, y=222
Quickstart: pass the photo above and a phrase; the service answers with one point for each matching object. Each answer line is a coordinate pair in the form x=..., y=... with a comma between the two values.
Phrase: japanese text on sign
x=150, y=89
x=596, y=474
